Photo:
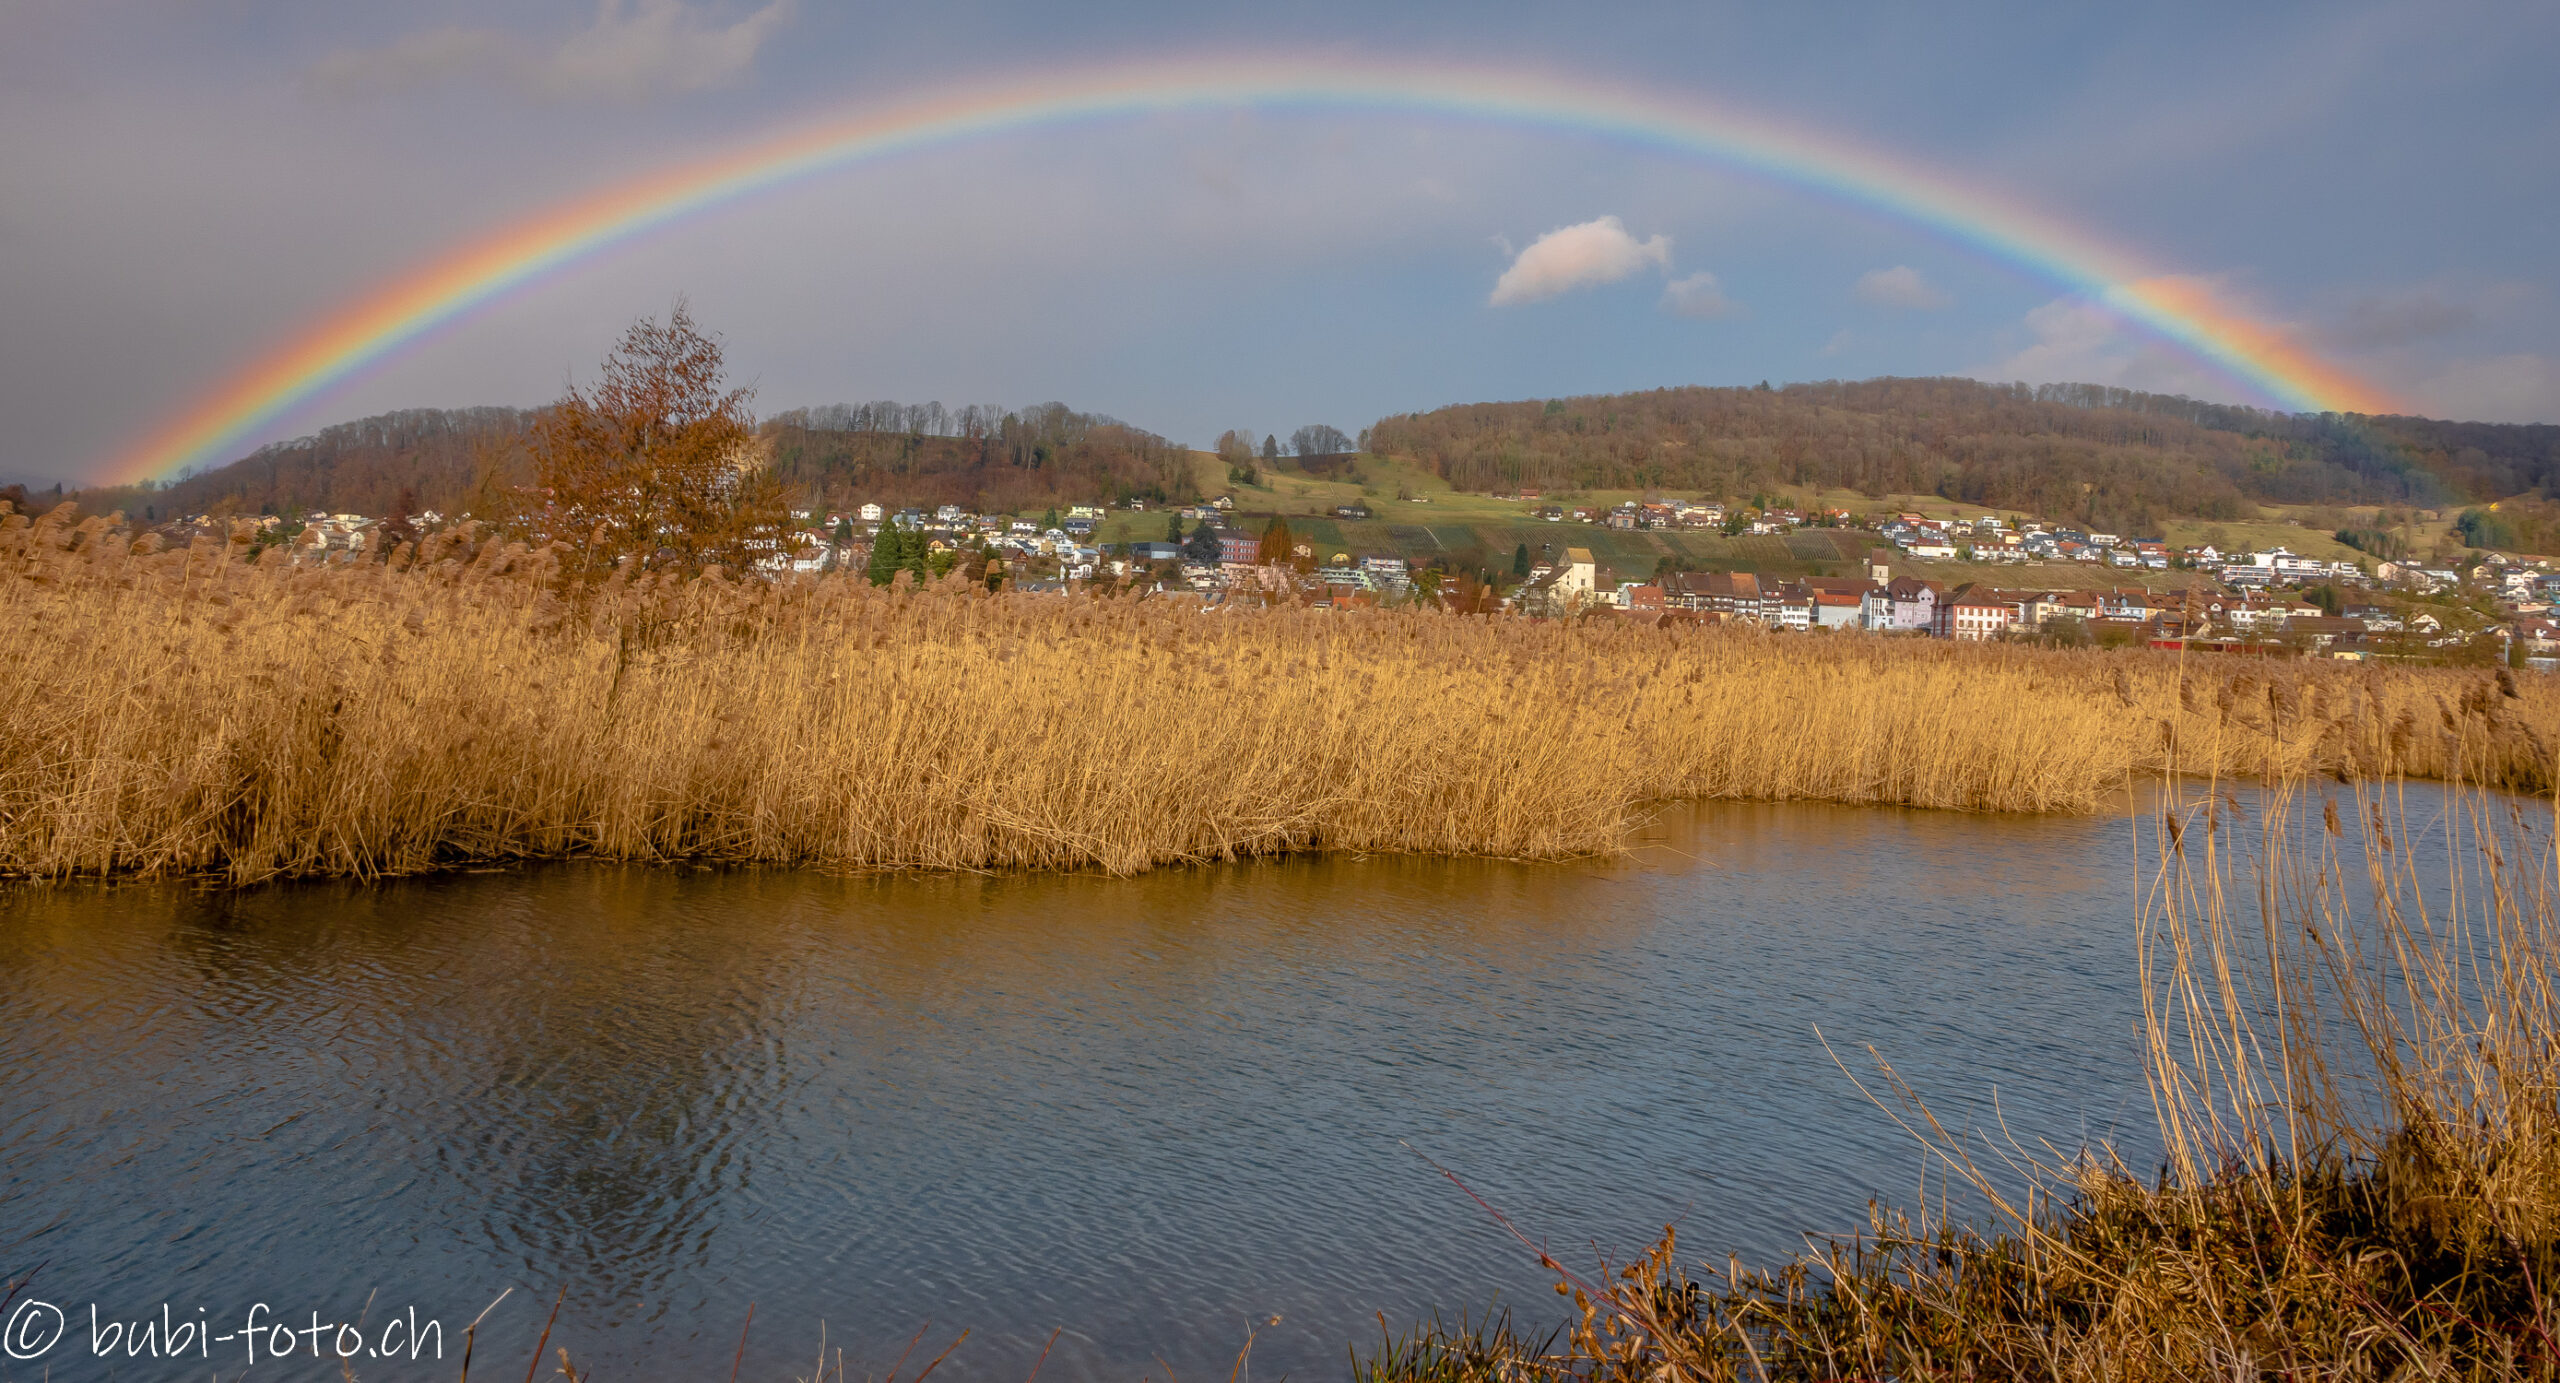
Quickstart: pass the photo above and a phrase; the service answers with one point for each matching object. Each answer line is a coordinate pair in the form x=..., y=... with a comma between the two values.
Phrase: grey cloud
x=2399, y=320
x=634, y=49
x=2522, y=387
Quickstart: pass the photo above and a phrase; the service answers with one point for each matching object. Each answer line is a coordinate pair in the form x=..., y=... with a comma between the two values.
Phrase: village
x=1914, y=575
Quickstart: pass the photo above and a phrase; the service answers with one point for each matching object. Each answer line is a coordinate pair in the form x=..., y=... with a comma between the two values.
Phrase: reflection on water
x=1151, y=1111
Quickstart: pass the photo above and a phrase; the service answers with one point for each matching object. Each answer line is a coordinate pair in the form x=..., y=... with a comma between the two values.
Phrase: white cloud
x=1698, y=295
x=1583, y=256
x=635, y=48
x=2081, y=342
x=1901, y=286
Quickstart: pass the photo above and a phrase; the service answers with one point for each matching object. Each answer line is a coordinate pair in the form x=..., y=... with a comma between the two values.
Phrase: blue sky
x=190, y=181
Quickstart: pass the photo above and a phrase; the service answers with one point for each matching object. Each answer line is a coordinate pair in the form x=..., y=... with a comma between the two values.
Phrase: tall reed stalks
x=211, y=709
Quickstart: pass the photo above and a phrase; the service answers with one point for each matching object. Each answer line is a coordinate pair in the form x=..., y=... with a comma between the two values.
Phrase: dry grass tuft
x=197, y=710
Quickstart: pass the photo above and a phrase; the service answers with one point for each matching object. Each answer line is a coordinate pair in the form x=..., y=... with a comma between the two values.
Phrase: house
x=1577, y=576
x=2322, y=631
x=1971, y=613
x=1875, y=608
x=1237, y=549
x=1911, y=603
x=2079, y=605
x=1788, y=605
x=1731, y=594
x=2129, y=602
x=1154, y=552
x=1354, y=510
x=1837, y=601
x=1640, y=599
x=871, y=513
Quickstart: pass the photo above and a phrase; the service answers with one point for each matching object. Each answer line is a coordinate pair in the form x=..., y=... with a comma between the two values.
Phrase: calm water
x=1153, y=1112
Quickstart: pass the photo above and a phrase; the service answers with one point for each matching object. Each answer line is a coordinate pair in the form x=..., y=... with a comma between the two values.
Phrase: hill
x=2113, y=458
x=983, y=459
x=435, y=455
x=2110, y=458
x=452, y=460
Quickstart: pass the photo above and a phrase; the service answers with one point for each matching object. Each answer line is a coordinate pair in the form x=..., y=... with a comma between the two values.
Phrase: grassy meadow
x=1417, y=515
x=197, y=711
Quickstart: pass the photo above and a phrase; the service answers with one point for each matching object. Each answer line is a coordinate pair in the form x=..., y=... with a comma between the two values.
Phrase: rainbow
x=2184, y=310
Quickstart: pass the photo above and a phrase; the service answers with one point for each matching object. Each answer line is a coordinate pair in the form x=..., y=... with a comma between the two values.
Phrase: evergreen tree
x=1049, y=520
x=886, y=549
x=1203, y=545
x=1520, y=561
x=1173, y=528
x=844, y=530
x=1270, y=447
x=911, y=553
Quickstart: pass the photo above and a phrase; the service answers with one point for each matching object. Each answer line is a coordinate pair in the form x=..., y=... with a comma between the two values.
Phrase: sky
x=187, y=186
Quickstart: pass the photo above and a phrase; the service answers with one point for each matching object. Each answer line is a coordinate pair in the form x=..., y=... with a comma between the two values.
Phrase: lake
x=1151, y=1113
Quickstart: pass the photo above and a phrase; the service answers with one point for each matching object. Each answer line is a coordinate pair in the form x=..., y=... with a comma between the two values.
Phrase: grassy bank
x=2355, y=1062
x=196, y=710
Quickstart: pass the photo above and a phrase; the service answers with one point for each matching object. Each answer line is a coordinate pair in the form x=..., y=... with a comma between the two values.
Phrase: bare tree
x=1319, y=439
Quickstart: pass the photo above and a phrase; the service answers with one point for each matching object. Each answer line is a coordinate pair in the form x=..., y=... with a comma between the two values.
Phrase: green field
x=1431, y=520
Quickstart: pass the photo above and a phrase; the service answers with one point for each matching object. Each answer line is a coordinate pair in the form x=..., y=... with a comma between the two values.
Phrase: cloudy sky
x=187, y=184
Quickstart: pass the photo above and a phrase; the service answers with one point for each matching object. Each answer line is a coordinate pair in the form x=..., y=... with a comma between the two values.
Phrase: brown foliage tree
x=1276, y=547
x=656, y=463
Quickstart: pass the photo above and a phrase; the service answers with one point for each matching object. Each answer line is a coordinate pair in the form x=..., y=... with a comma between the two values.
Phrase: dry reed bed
x=201, y=710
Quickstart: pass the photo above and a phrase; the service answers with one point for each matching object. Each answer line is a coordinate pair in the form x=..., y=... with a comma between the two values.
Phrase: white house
x=1578, y=576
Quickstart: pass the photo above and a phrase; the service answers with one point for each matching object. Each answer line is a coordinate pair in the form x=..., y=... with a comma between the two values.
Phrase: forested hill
x=456, y=460
x=2113, y=457
x=986, y=459
x=363, y=467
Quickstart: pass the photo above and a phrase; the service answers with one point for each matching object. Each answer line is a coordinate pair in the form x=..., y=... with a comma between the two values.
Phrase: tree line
x=992, y=462
x=2113, y=458
x=467, y=460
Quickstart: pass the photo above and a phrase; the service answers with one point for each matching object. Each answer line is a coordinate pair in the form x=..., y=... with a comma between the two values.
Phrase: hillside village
x=1978, y=578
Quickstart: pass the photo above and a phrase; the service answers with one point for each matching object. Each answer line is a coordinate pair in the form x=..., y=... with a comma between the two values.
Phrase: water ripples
x=1151, y=1111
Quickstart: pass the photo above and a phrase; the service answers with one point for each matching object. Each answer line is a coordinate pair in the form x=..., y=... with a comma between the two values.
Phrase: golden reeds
x=210, y=709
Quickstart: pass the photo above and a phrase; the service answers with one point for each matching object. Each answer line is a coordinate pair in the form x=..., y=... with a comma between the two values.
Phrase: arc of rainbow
x=2183, y=310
